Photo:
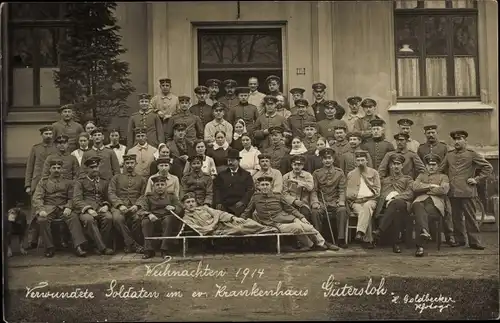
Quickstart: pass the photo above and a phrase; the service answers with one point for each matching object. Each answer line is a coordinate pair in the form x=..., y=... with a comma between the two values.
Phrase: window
x=437, y=50
x=34, y=31
x=239, y=54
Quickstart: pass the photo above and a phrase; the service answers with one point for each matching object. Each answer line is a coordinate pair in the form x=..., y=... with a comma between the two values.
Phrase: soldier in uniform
x=70, y=168
x=273, y=85
x=230, y=100
x=395, y=194
x=148, y=119
x=326, y=126
x=412, y=165
x=405, y=127
x=461, y=165
x=180, y=147
x=255, y=97
x=355, y=112
x=173, y=183
x=194, y=126
x=90, y=204
x=433, y=144
x=376, y=145
x=197, y=182
x=67, y=126
x=201, y=109
x=319, y=92
x=166, y=103
x=156, y=207
x=124, y=190
x=266, y=121
x=328, y=197
x=244, y=110
x=363, y=124
x=277, y=150
x=218, y=124
x=298, y=94
x=52, y=200
x=298, y=120
x=144, y=152
x=310, y=136
x=347, y=161
x=341, y=145
x=267, y=170
x=213, y=89
x=109, y=165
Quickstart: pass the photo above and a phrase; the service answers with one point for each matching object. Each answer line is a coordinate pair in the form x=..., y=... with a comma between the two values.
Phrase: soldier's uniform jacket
x=53, y=193
x=438, y=148
x=36, y=160
x=347, y=161
x=230, y=102
x=248, y=113
x=165, y=105
x=71, y=129
x=326, y=127
x=412, y=165
x=310, y=143
x=331, y=184
x=70, y=168
x=363, y=125
x=341, y=147
x=180, y=148
x=90, y=194
x=411, y=145
x=155, y=203
x=296, y=124
x=377, y=148
x=200, y=184
x=403, y=184
x=277, y=183
x=277, y=152
x=109, y=165
x=292, y=192
x=437, y=194
x=149, y=120
x=265, y=122
x=272, y=208
x=125, y=189
x=309, y=110
x=194, y=127
x=319, y=110
x=462, y=165
x=203, y=111
x=145, y=156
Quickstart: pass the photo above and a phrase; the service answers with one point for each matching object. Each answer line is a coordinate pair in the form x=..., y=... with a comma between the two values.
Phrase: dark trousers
x=311, y=216
x=395, y=214
x=120, y=225
x=467, y=224
x=168, y=225
x=72, y=221
x=335, y=213
x=98, y=228
x=424, y=211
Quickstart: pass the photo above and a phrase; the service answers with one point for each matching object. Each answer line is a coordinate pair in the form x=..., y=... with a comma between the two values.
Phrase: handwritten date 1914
x=245, y=273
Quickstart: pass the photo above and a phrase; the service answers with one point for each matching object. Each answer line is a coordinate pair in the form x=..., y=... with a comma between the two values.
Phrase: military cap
x=327, y=152
x=66, y=106
x=163, y=160
x=219, y=105
x=158, y=179
x=200, y=89
x=140, y=130
x=165, y=80
x=298, y=159
x=377, y=123
x=270, y=99
x=340, y=126
x=354, y=99
x=330, y=104
x=401, y=136
x=61, y=139
x=297, y=90
x=129, y=157
x=397, y=158
x=366, y=103
x=93, y=161
x=192, y=158
x=405, y=122
x=233, y=154
x=432, y=158
x=46, y=128
x=273, y=77
x=361, y=153
x=430, y=127
x=56, y=162
x=230, y=82
x=96, y=130
x=310, y=124
x=180, y=126
x=184, y=98
x=212, y=82
x=188, y=196
x=302, y=102
x=265, y=179
x=242, y=89
x=459, y=133
x=276, y=129
x=264, y=156
x=355, y=134
x=318, y=86
x=144, y=96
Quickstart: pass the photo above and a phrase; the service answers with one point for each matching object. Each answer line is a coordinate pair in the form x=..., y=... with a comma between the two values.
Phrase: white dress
x=249, y=160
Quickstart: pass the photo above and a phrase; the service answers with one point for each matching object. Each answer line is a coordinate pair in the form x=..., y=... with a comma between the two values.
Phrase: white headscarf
x=301, y=150
x=236, y=136
x=156, y=154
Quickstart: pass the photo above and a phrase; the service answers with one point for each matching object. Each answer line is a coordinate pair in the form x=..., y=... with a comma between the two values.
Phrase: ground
x=466, y=280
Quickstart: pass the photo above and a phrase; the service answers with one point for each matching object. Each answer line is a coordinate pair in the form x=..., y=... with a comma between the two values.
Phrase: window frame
x=450, y=13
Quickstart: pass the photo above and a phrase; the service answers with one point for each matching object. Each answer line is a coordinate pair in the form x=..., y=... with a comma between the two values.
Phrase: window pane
x=408, y=77
x=34, y=10
x=464, y=36
x=22, y=48
x=49, y=93
x=436, y=37
x=407, y=40
x=465, y=76
x=435, y=69
x=463, y=3
x=22, y=84
x=406, y=4
x=49, y=39
x=434, y=4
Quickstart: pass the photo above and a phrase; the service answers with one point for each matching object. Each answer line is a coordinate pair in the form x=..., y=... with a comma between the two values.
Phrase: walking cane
x=184, y=223
x=328, y=218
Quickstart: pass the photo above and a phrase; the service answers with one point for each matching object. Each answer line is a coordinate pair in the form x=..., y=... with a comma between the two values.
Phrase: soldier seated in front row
x=154, y=208
x=273, y=210
x=53, y=200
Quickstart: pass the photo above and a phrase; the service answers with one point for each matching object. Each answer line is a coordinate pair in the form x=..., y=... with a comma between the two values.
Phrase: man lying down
x=208, y=221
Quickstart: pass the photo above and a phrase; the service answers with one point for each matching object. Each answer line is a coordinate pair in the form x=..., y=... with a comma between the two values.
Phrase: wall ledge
x=440, y=106
x=35, y=117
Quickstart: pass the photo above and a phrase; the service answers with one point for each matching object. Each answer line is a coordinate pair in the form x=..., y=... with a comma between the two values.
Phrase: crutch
x=328, y=218
x=184, y=223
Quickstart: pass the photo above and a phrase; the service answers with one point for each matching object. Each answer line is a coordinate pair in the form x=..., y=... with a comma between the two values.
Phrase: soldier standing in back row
x=298, y=94
x=67, y=126
x=296, y=123
x=354, y=113
x=319, y=92
x=145, y=118
x=273, y=85
x=193, y=123
x=213, y=90
x=377, y=146
x=230, y=99
x=432, y=145
x=201, y=109
x=363, y=124
x=165, y=104
x=244, y=110
x=405, y=127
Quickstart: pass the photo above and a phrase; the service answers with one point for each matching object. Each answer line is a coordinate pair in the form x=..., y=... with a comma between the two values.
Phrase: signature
x=424, y=302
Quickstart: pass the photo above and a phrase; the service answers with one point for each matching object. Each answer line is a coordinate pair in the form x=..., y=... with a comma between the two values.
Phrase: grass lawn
x=473, y=299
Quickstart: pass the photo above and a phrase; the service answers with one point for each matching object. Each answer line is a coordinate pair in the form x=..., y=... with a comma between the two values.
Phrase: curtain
x=434, y=4
x=406, y=4
x=462, y=3
x=465, y=76
x=408, y=77
x=435, y=70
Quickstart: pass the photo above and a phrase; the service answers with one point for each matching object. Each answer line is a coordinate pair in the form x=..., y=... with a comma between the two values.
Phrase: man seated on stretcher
x=207, y=221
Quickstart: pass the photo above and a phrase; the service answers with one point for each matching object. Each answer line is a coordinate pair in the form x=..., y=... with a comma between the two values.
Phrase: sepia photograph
x=250, y=160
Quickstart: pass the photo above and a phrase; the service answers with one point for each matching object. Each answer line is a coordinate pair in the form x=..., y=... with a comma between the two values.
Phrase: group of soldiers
x=247, y=162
